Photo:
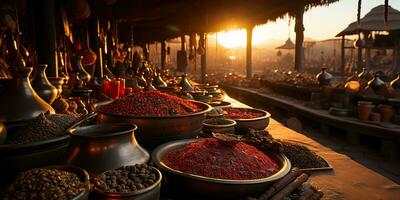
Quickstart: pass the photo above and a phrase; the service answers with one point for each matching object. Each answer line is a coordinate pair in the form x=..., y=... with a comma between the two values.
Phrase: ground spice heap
x=150, y=103
x=299, y=155
x=241, y=113
x=45, y=184
x=212, y=158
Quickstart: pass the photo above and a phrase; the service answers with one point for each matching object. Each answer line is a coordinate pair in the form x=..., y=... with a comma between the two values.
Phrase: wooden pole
x=44, y=14
x=203, y=59
x=94, y=33
x=249, y=70
x=343, y=62
x=163, y=55
x=299, y=51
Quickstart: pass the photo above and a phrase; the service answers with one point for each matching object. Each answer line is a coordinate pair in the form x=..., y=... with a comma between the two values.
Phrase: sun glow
x=237, y=38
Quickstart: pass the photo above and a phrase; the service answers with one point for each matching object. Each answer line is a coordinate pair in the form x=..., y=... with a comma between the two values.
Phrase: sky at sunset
x=320, y=23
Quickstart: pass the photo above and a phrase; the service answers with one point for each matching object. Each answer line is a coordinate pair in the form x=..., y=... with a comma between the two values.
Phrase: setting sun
x=237, y=38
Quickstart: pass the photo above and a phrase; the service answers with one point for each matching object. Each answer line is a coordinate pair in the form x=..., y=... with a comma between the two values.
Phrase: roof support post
x=203, y=58
x=299, y=51
x=163, y=54
x=359, y=59
x=343, y=61
x=249, y=33
x=44, y=14
x=94, y=33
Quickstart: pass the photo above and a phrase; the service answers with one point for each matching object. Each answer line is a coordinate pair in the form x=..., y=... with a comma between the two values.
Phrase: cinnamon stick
x=281, y=183
x=292, y=186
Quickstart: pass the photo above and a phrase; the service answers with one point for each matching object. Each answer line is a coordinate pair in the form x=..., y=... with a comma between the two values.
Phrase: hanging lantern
x=279, y=53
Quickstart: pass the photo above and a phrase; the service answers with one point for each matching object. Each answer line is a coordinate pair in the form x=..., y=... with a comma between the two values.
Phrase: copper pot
x=101, y=147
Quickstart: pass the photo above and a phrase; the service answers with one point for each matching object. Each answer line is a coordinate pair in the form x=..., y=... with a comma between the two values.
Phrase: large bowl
x=150, y=193
x=15, y=158
x=258, y=123
x=213, y=188
x=154, y=130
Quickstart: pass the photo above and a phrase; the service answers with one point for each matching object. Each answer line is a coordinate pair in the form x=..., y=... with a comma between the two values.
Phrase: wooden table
x=348, y=180
x=388, y=134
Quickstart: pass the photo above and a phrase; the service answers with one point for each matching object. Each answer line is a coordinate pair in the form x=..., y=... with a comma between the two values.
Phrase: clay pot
x=375, y=117
x=364, y=111
x=386, y=112
x=42, y=86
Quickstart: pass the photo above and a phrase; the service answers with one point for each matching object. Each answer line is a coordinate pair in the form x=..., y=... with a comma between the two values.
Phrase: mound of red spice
x=150, y=103
x=212, y=158
x=242, y=113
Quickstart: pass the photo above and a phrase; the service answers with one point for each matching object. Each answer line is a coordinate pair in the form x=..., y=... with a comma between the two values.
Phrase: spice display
x=299, y=155
x=43, y=127
x=242, y=113
x=126, y=179
x=302, y=157
x=150, y=103
x=64, y=120
x=45, y=184
x=211, y=158
x=263, y=141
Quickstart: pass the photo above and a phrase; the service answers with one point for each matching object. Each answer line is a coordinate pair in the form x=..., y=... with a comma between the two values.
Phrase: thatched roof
x=288, y=45
x=155, y=20
x=374, y=21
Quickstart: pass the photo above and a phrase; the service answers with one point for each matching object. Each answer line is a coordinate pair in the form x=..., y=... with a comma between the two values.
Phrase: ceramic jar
x=158, y=82
x=185, y=84
x=42, y=86
x=376, y=82
x=20, y=102
x=324, y=77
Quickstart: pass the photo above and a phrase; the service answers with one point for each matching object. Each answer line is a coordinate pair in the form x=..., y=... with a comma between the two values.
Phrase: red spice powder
x=240, y=113
x=150, y=103
x=210, y=157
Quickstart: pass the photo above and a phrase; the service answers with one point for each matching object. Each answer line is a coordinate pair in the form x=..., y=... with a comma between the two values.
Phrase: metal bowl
x=150, y=193
x=213, y=188
x=224, y=126
x=155, y=130
x=21, y=157
x=258, y=123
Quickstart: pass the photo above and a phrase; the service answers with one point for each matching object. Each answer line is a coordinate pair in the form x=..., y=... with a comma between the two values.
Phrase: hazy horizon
x=320, y=23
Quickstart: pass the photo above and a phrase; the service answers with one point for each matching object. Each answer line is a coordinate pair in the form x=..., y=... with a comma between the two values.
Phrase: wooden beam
x=343, y=62
x=44, y=14
x=249, y=70
x=203, y=58
x=299, y=51
x=163, y=55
